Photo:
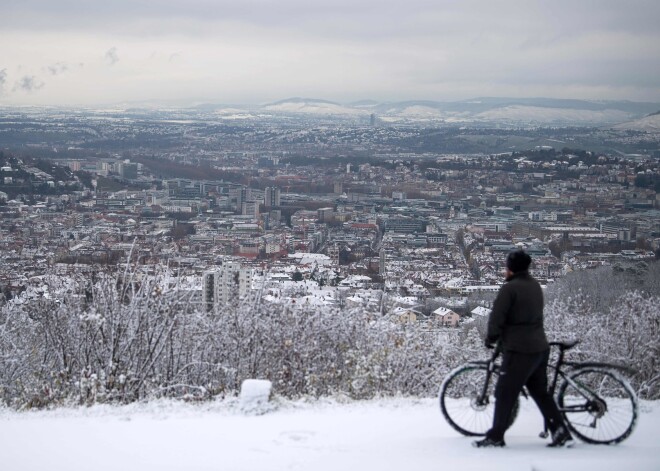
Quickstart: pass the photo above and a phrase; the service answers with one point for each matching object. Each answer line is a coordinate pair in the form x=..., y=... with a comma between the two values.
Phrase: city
x=336, y=215
x=325, y=235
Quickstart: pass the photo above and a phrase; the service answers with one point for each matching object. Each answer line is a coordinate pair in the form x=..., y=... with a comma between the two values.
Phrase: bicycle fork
x=482, y=399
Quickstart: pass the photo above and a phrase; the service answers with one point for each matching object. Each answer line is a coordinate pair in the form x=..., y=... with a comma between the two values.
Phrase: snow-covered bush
x=129, y=336
x=615, y=312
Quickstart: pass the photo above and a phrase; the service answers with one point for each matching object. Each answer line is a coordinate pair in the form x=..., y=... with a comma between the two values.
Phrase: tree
x=615, y=312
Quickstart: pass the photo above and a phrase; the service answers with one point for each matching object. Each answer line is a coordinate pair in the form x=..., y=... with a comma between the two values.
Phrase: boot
x=488, y=443
x=561, y=438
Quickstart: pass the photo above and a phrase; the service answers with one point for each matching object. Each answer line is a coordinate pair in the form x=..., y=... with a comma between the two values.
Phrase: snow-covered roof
x=443, y=311
x=480, y=311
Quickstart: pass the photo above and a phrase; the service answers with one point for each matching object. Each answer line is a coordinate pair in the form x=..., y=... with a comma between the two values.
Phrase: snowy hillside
x=537, y=111
x=541, y=115
x=311, y=106
x=395, y=434
x=648, y=123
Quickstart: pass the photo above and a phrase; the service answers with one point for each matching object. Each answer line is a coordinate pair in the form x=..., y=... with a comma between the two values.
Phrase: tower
x=243, y=194
x=381, y=262
x=226, y=283
x=272, y=196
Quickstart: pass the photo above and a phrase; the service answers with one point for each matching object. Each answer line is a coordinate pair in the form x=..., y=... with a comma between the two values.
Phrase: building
x=242, y=194
x=272, y=197
x=128, y=170
x=446, y=317
x=621, y=231
x=250, y=208
x=325, y=214
x=226, y=283
x=405, y=225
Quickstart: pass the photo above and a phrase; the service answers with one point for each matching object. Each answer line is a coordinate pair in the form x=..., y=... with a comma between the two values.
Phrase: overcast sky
x=68, y=52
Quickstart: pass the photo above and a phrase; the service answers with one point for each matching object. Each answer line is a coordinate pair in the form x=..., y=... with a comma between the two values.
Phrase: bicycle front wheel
x=467, y=410
x=599, y=406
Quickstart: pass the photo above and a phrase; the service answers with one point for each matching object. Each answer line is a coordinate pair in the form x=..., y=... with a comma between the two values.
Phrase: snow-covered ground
x=392, y=434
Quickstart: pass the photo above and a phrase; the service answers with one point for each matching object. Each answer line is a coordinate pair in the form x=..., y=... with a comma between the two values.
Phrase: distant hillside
x=481, y=111
x=650, y=123
x=311, y=106
x=485, y=110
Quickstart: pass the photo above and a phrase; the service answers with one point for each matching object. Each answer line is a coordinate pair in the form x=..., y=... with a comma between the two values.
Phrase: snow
x=255, y=394
x=313, y=107
x=648, y=124
x=387, y=434
x=419, y=110
x=540, y=114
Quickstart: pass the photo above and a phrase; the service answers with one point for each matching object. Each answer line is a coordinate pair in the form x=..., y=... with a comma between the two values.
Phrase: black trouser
x=518, y=370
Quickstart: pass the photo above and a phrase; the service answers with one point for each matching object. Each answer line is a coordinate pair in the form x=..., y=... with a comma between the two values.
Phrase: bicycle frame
x=491, y=368
x=594, y=403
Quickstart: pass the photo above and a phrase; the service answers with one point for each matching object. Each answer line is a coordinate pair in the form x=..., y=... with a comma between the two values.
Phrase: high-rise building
x=272, y=196
x=250, y=208
x=275, y=216
x=381, y=262
x=128, y=170
x=226, y=283
x=325, y=214
x=242, y=194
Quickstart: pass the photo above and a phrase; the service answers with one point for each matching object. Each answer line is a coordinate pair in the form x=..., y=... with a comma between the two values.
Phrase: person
x=516, y=323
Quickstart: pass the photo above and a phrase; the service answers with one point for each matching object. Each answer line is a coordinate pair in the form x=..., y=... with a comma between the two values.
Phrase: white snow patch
x=648, y=124
x=326, y=435
x=255, y=396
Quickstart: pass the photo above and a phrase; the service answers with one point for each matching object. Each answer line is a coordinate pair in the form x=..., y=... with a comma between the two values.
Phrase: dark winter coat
x=517, y=316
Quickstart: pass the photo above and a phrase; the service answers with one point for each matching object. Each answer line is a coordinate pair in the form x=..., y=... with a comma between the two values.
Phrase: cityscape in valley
x=323, y=235
x=404, y=209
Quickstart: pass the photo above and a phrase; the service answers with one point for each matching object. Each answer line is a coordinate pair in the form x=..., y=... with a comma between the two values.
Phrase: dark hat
x=518, y=261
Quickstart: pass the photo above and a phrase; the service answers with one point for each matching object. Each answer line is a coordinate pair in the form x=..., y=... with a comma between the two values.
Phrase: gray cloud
x=57, y=68
x=376, y=18
x=111, y=56
x=3, y=80
x=28, y=83
x=387, y=49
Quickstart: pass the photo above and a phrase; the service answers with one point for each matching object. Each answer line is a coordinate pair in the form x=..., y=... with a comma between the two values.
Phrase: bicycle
x=598, y=405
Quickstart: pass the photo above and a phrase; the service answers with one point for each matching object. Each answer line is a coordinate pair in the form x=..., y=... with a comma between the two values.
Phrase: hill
x=484, y=111
x=650, y=123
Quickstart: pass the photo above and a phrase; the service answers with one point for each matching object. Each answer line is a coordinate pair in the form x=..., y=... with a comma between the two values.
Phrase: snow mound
x=255, y=396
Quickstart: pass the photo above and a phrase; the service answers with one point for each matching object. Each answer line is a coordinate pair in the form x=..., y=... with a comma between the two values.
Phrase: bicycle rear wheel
x=600, y=406
x=459, y=400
